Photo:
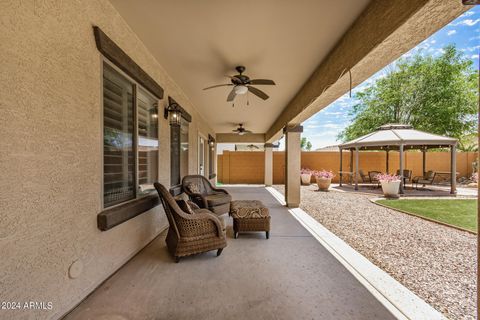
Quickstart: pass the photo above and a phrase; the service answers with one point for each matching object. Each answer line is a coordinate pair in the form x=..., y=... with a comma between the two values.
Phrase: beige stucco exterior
x=51, y=153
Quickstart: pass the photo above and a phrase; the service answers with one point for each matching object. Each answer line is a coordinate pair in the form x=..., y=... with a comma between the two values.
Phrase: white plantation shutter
x=119, y=157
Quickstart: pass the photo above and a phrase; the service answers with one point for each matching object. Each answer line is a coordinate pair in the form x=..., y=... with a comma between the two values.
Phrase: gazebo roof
x=391, y=136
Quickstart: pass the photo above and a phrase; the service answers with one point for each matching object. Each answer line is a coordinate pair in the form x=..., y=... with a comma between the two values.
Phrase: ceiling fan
x=241, y=130
x=243, y=84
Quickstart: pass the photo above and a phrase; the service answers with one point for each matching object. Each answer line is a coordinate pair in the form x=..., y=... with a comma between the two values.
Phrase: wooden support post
x=341, y=167
x=401, y=169
x=424, y=161
x=356, y=168
x=453, y=169
x=351, y=166
x=386, y=164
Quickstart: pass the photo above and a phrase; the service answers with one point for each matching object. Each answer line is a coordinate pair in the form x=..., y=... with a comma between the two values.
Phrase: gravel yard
x=438, y=263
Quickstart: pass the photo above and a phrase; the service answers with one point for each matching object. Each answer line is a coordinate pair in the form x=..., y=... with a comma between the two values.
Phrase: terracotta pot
x=306, y=178
x=390, y=188
x=323, y=183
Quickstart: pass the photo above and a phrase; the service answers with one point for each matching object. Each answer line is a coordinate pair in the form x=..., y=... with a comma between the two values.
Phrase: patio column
x=268, y=164
x=356, y=168
x=453, y=169
x=341, y=167
x=401, y=168
x=292, y=165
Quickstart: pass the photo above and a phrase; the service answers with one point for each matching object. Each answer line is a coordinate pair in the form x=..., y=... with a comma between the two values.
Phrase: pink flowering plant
x=475, y=177
x=324, y=174
x=306, y=171
x=387, y=177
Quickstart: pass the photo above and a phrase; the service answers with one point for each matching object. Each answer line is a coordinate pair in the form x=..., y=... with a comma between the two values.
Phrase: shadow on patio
x=289, y=276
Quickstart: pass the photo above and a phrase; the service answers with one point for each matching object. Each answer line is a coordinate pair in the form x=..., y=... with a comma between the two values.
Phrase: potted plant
x=390, y=184
x=306, y=176
x=324, y=179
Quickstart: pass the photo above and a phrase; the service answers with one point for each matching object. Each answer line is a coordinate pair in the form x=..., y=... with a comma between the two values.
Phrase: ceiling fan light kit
x=243, y=84
x=240, y=89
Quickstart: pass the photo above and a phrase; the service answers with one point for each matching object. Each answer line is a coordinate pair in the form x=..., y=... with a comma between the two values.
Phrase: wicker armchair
x=201, y=191
x=193, y=233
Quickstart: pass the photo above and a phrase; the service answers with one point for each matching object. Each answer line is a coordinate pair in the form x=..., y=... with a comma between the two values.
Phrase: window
x=130, y=160
x=183, y=148
x=147, y=115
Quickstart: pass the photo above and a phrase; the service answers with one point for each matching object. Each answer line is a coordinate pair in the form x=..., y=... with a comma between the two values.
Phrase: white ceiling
x=198, y=42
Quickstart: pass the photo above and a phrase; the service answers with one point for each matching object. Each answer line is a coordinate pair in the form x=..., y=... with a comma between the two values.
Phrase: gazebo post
x=356, y=168
x=453, y=169
x=424, y=160
x=386, y=165
x=401, y=168
x=351, y=165
x=341, y=167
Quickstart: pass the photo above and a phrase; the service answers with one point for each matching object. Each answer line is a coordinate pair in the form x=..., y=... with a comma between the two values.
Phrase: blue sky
x=323, y=128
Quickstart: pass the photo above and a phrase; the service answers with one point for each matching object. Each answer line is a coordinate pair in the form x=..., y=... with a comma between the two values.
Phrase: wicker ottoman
x=249, y=215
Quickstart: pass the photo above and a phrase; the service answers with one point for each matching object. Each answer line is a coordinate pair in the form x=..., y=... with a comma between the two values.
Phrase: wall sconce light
x=175, y=114
x=211, y=142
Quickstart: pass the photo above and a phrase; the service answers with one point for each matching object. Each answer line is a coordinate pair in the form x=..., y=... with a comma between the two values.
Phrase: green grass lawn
x=461, y=212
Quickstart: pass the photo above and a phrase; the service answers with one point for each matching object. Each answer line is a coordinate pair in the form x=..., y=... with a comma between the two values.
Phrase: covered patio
x=102, y=99
x=289, y=276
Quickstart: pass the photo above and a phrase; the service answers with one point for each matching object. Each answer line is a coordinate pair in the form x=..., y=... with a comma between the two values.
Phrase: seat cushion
x=243, y=209
x=217, y=199
x=193, y=187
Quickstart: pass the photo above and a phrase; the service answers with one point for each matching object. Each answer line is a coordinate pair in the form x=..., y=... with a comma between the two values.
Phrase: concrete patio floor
x=289, y=276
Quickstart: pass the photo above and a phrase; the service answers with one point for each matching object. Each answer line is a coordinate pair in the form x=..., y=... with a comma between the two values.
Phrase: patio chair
x=364, y=177
x=190, y=233
x=206, y=196
x=407, y=175
x=428, y=178
x=373, y=177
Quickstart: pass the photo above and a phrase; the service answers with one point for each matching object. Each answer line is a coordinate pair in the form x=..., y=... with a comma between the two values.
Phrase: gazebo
x=399, y=137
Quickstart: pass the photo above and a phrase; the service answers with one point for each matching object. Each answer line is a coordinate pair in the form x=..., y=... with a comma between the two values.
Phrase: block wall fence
x=248, y=167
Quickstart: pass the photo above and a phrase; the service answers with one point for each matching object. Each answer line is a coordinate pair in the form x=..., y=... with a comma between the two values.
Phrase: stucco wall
x=51, y=152
x=248, y=167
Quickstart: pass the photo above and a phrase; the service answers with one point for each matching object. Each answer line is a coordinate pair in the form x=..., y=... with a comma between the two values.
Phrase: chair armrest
x=199, y=196
x=210, y=217
x=219, y=190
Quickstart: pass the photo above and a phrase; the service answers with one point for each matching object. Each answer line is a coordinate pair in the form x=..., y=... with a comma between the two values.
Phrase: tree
x=305, y=144
x=433, y=94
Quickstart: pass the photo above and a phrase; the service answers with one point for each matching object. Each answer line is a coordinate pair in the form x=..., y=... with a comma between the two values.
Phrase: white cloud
x=466, y=22
x=433, y=41
x=468, y=13
x=474, y=56
x=470, y=49
x=451, y=32
x=331, y=125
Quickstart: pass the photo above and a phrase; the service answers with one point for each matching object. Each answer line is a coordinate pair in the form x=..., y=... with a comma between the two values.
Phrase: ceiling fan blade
x=262, y=81
x=218, y=85
x=259, y=93
x=247, y=131
x=231, y=95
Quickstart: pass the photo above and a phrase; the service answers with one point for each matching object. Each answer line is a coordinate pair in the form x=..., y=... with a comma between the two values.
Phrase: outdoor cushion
x=193, y=188
x=217, y=199
x=248, y=209
x=185, y=206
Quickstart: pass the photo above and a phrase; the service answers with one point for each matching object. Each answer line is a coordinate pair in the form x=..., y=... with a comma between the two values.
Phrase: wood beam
x=383, y=32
